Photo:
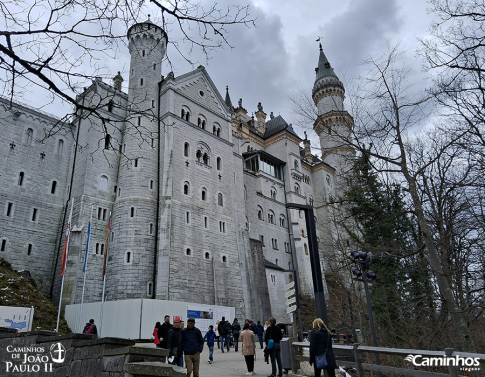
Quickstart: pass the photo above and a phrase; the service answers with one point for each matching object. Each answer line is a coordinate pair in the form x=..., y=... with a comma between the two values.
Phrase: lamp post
x=364, y=275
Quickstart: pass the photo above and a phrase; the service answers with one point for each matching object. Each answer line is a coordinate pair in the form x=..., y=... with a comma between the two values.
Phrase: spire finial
x=148, y=17
x=305, y=135
x=227, y=88
x=321, y=48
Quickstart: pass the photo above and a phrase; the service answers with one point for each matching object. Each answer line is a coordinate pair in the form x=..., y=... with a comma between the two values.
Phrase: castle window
x=222, y=227
x=261, y=238
x=311, y=201
x=198, y=155
x=296, y=165
x=214, y=130
x=182, y=114
x=132, y=212
x=124, y=148
x=29, y=249
x=274, y=242
x=21, y=178
x=260, y=213
x=141, y=81
x=306, y=248
x=29, y=136
x=151, y=184
x=97, y=248
x=107, y=141
x=4, y=245
x=9, y=211
x=139, y=121
x=205, y=158
x=273, y=193
x=207, y=255
x=219, y=163
x=271, y=217
x=199, y=122
x=206, y=222
x=153, y=143
x=119, y=192
x=224, y=259
x=188, y=252
x=219, y=199
x=149, y=289
x=115, y=188
x=150, y=228
x=103, y=183
x=204, y=194
x=143, y=53
x=187, y=117
x=154, y=67
x=273, y=279
x=218, y=132
x=136, y=162
x=297, y=188
x=276, y=261
x=60, y=146
x=128, y=257
x=186, y=188
x=102, y=249
x=303, y=232
x=110, y=106
x=282, y=220
x=153, y=103
x=186, y=149
x=187, y=217
x=34, y=214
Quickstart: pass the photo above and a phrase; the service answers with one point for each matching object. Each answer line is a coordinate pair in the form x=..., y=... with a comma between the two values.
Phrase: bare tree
x=60, y=46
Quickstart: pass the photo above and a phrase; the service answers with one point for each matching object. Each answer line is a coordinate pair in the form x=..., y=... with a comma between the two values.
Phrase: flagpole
x=64, y=262
x=84, y=267
x=105, y=262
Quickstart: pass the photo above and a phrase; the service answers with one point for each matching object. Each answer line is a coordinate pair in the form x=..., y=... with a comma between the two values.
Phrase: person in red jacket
x=156, y=336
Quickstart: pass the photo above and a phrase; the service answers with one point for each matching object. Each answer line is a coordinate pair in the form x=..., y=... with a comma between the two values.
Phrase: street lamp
x=363, y=274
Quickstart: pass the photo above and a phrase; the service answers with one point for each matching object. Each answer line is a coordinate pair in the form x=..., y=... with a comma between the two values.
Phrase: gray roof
x=276, y=125
x=324, y=67
x=273, y=266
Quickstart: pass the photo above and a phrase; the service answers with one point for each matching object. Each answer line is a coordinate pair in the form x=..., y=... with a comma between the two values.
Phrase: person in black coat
x=274, y=332
x=321, y=341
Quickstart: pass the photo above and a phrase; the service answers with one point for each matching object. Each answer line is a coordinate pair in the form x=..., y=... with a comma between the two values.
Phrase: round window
x=201, y=93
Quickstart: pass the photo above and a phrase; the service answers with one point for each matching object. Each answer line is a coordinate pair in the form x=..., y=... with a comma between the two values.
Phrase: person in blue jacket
x=193, y=346
x=210, y=336
x=260, y=333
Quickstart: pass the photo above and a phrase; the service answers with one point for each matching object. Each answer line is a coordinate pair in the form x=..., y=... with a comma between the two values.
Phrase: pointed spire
x=228, y=99
x=324, y=68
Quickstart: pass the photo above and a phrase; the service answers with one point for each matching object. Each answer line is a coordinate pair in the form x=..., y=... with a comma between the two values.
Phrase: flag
x=66, y=241
x=105, y=260
x=87, y=241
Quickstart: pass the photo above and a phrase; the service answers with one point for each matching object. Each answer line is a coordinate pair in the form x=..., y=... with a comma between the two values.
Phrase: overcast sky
x=279, y=56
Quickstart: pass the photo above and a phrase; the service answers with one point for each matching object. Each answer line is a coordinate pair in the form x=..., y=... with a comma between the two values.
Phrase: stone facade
x=194, y=188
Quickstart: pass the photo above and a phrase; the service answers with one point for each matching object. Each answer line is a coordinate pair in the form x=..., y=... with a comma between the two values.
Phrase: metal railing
x=356, y=355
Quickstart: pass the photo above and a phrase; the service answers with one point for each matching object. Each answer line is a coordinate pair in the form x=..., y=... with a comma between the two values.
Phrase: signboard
x=289, y=285
x=290, y=309
x=16, y=318
x=289, y=293
x=206, y=315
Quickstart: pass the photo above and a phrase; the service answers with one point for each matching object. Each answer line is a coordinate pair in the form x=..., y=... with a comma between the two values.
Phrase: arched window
x=188, y=252
x=186, y=149
x=218, y=132
x=273, y=193
x=103, y=183
x=205, y=158
x=260, y=213
x=203, y=124
x=207, y=255
x=29, y=136
x=282, y=220
x=219, y=200
x=219, y=163
x=198, y=155
x=214, y=130
x=186, y=188
x=224, y=259
x=187, y=116
x=182, y=114
x=21, y=178
x=199, y=122
x=107, y=141
x=204, y=194
x=296, y=165
x=128, y=257
x=60, y=146
x=53, y=187
x=271, y=217
x=297, y=188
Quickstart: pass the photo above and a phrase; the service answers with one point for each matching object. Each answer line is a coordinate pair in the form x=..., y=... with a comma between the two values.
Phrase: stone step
x=143, y=369
x=138, y=354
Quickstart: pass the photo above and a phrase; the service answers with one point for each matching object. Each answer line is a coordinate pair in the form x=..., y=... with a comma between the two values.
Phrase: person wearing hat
x=193, y=346
x=175, y=343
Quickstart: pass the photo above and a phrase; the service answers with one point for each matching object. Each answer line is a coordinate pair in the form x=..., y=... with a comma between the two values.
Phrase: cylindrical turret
x=135, y=210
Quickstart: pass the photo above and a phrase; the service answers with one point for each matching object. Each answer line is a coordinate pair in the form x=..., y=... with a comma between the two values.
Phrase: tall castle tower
x=135, y=209
x=334, y=124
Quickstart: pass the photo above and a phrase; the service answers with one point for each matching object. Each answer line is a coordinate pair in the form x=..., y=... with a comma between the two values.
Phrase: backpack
x=88, y=329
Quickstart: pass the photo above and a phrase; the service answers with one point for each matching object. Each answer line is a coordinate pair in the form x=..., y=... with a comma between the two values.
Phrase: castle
x=195, y=186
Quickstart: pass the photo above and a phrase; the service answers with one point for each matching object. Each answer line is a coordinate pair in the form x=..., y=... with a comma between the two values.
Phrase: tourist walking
x=175, y=343
x=248, y=348
x=224, y=328
x=210, y=335
x=156, y=339
x=216, y=330
x=193, y=346
x=236, y=329
x=321, y=343
x=260, y=333
x=273, y=332
x=163, y=331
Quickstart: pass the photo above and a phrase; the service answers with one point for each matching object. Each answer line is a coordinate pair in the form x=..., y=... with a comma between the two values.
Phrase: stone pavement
x=232, y=364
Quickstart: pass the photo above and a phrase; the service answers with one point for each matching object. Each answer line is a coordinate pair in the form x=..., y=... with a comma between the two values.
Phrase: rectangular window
x=187, y=217
x=34, y=214
x=139, y=121
x=222, y=227
x=206, y=222
x=150, y=229
x=136, y=162
x=153, y=103
x=124, y=148
x=116, y=189
x=102, y=249
x=104, y=214
x=4, y=244
x=120, y=148
x=119, y=192
x=261, y=238
x=151, y=184
x=153, y=143
x=29, y=249
x=9, y=209
x=100, y=213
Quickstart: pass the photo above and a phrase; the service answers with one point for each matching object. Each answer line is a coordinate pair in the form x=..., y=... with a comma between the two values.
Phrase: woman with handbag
x=321, y=353
x=273, y=338
x=248, y=349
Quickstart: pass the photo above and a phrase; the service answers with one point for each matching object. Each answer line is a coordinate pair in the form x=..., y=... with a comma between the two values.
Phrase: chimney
x=117, y=80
